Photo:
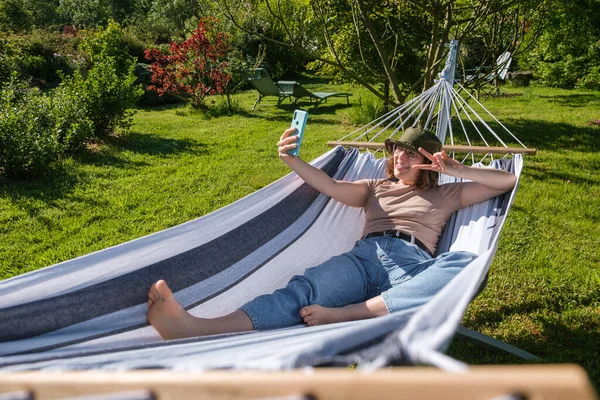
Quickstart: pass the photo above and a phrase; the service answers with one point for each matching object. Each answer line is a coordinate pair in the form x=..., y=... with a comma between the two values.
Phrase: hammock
x=90, y=312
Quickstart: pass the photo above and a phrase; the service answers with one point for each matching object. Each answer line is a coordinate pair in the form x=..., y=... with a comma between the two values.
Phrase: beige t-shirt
x=421, y=213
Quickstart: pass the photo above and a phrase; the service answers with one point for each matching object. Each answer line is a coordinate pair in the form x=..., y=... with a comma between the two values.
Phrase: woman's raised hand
x=440, y=162
x=287, y=142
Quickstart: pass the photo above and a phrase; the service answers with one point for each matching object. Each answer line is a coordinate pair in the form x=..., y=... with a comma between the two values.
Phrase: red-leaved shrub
x=192, y=69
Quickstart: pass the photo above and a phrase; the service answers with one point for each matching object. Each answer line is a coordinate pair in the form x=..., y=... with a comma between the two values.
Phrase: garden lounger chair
x=490, y=72
x=298, y=91
x=261, y=81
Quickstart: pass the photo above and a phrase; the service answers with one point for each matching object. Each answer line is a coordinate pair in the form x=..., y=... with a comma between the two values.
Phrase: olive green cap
x=413, y=138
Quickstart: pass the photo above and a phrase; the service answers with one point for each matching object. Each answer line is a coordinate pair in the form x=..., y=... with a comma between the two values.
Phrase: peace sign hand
x=440, y=162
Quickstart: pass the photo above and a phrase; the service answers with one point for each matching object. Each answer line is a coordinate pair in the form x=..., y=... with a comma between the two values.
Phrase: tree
x=86, y=14
x=93, y=13
x=193, y=69
x=401, y=38
x=514, y=29
x=279, y=60
x=172, y=19
x=378, y=29
x=44, y=13
x=14, y=17
x=568, y=52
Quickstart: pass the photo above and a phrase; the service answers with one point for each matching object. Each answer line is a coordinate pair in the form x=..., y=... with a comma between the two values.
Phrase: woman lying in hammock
x=390, y=269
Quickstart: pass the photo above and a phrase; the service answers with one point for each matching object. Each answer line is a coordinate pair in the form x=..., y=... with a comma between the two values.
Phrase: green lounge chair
x=298, y=91
x=261, y=81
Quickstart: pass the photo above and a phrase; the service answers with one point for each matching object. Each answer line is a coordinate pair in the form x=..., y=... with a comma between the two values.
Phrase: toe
x=307, y=310
x=153, y=292
x=163, y=290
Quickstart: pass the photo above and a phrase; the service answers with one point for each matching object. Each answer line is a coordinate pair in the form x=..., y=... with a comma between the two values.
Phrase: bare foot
x=319, y=315
x=167, y=316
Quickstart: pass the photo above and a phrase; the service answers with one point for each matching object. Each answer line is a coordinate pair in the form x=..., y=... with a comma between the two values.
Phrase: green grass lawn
x=544, y=287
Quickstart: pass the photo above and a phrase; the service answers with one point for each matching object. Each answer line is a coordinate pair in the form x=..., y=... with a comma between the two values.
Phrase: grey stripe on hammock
x=181, y=271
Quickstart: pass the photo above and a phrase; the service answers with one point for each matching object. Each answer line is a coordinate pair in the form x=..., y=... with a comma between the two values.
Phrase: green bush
x=563, y=73
x=36, y=130
x=72, y=124
x=106, y=83
x=28, y=142
x=46, y=55
x=591, y=80
x=135, y=46
x=224, y=105
x=108, y=44
x=107, y=98
x=8, y=60
x=41, y=57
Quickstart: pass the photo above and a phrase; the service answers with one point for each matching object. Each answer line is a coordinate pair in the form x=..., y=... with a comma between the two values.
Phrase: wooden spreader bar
x=549, y=382
x=448, y=148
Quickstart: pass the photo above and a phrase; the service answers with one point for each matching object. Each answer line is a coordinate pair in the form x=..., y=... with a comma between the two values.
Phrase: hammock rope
x=439, y=105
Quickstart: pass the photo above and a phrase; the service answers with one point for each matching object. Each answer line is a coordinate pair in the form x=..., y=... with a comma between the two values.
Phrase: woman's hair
x=425, y=180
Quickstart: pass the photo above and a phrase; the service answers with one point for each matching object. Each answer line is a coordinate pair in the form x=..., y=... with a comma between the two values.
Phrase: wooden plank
x=448, y=148
x=550, y=382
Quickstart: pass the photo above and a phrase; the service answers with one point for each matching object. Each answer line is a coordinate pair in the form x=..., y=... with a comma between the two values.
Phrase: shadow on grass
x=107, y=157
x=151, y=144
x=322, y=109
x=539, y=134
x=548, y=174
x=554, y=136
x=556, y=300
x=62, y=180
x=110, y=152
x=561, y=345
x=551, y=338
x=35, y=195
x=574, y=100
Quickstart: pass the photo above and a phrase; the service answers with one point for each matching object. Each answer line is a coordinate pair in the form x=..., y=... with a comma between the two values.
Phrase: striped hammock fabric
x=90, y=312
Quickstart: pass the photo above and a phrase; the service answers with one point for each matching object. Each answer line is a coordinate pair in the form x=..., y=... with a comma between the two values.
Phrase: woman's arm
x=350, y=193
x=486, y=182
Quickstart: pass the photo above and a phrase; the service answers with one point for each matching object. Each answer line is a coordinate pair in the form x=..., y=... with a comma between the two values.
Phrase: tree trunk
x=439, y=38
x=386, y=93
x=428, y=80
x=389, y=72
x=443, y=40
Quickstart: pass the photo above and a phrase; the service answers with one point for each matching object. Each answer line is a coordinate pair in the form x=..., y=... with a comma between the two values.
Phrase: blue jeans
x=401, y=272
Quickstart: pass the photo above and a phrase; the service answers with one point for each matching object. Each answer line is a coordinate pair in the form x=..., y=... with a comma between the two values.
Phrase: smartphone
x=298, y=122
